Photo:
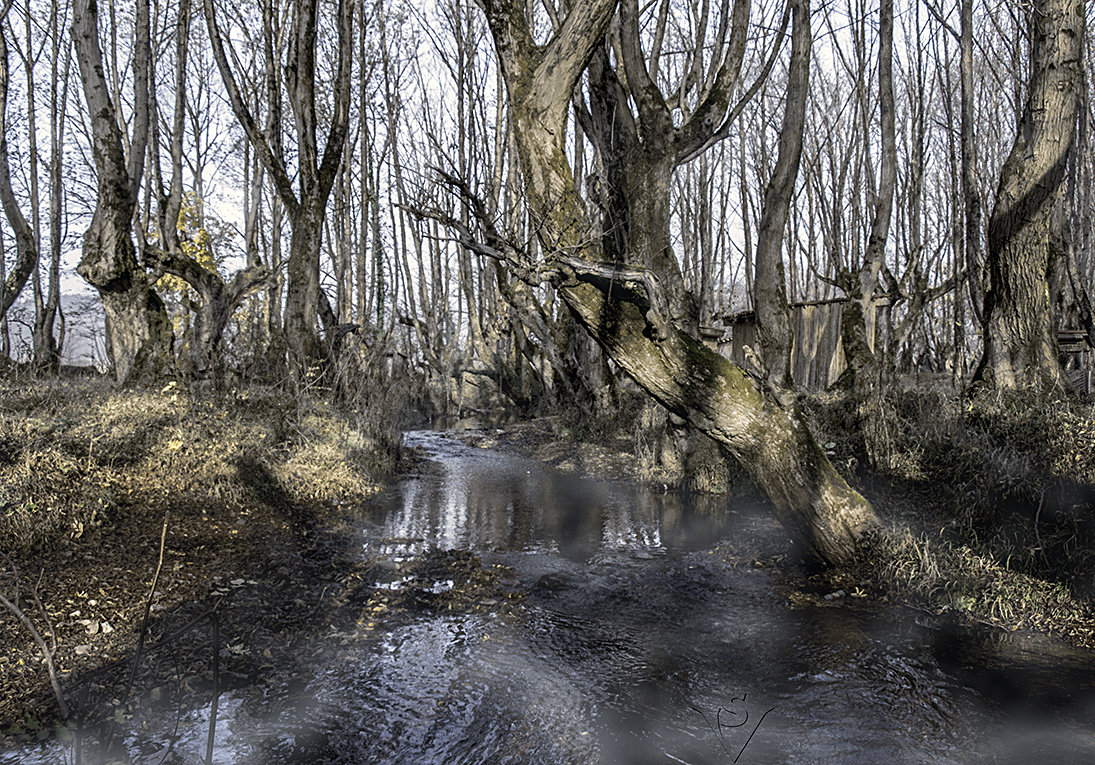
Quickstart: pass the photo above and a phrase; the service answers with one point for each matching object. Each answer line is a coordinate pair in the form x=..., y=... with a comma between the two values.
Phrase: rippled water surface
x=651, y=629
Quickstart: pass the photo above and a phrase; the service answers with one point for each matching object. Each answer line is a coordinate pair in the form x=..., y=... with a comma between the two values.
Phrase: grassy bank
x=989, y=501
x=227, y=503
x=72, y=456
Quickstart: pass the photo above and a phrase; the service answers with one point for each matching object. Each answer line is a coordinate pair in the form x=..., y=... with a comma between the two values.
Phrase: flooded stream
x=650, y=628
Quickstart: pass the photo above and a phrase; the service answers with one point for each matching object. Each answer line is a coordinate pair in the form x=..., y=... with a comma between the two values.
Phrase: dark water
x=653, y=629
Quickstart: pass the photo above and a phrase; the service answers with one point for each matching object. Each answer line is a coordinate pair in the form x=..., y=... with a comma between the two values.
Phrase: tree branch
x=699, y=147
x=274, y=164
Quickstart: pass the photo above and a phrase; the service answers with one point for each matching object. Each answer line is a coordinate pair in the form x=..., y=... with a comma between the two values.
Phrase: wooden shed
x=1076, y=358
x=817, y=353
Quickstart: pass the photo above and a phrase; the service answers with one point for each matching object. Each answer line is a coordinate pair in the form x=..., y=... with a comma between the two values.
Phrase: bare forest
x=835, y=254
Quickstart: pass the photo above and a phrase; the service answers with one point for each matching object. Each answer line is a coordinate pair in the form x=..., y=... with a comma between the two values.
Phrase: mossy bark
x=772, y=443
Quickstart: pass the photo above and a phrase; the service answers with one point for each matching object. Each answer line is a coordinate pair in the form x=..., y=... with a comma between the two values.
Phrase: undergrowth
x=943, y=576
x=993, y=498
x=72, y=453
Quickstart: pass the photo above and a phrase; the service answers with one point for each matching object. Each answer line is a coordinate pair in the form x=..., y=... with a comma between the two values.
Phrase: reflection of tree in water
x=635, y=523
x=486, y=501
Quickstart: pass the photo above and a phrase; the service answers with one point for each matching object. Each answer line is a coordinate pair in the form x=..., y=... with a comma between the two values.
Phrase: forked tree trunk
x=217, y=299
x=316, y=169
x=138, y=330
x=625, y=311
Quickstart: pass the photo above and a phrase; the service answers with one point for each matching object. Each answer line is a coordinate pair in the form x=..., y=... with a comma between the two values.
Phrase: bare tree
x=770, y=292
x=47, y=345
x=216, y=299
x=628, y=314
x=26, y=242
x=971, y=260
x=316, y=171
x=1026, y=223
x=861, y=280
x=138, y=331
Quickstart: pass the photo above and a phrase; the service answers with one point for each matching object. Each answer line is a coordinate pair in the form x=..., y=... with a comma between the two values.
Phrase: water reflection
x=474, y=499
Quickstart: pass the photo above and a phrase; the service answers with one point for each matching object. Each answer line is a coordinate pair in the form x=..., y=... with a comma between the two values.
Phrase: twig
x=1037, y=533
x=148, y=605
x=143, y=628
x=47, y=656
x=42, y=610
x=174, y=737
x=14, y=574
x=216, y=690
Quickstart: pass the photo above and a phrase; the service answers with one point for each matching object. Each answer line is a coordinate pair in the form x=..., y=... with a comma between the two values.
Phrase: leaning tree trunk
x=1020, y=346
x=625, y=311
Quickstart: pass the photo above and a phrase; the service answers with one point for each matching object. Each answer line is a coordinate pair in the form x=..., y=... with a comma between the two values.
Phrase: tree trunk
x=138, y=330
x=26, y=245
x=302, y=292
x=970, y=262
x=1020, y=346
x=864, y=366
x=50, y=357
x=640, y=151
x=627, y=314
x=770, y=293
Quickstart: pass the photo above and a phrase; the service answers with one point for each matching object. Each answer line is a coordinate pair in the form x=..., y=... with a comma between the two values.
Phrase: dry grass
x=992, y=447
x=943, y=576
x=994, y=497
x=72, y=453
